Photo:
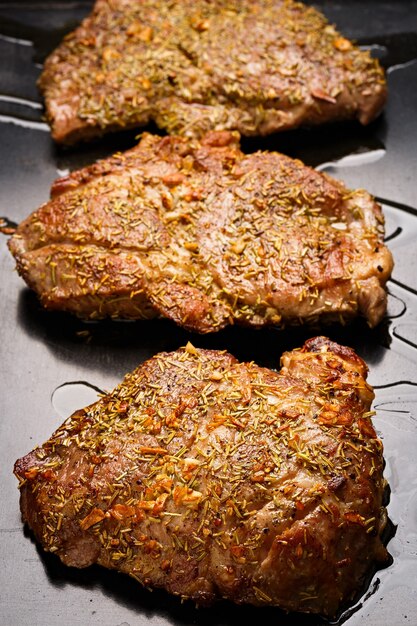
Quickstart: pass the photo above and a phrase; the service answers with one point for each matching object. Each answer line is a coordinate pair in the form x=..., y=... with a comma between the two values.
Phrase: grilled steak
x=206, y=236
x=198, y=65
x=213, y=478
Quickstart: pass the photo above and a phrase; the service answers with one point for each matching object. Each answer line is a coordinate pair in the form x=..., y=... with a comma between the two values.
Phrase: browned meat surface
x=206, y=236
x=198, y=65
x=213, y=478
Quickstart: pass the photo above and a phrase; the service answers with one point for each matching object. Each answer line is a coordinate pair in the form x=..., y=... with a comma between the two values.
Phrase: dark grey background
x=42, y=352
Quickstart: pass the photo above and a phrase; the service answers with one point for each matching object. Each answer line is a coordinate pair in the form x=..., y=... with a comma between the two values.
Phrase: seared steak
x=213, y=478
x=199, y=65
x=206, y=236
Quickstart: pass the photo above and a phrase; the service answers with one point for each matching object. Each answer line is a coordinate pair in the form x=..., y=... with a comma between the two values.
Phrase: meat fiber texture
x=193, y=66
x=213, y=479
x=206, y=236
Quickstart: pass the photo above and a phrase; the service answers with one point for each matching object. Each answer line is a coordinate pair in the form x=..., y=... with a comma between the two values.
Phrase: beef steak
x=213, y=478
x=200, y=233
x=199, y=65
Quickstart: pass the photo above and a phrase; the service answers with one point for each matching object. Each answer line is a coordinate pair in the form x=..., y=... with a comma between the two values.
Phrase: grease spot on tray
x=71, y=396
x=43, y=40
x=396, y=306
x=399, y=426
x=394, y=51
x=362, y=157
x=407, y=331
x=24, y=123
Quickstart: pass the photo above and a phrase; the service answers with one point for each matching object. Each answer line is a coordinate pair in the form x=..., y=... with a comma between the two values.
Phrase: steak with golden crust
x=212, y=479
x=197, y=65
x=206, y=236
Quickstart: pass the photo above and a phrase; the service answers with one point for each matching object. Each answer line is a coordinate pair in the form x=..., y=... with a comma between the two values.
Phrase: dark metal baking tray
x=49, y=360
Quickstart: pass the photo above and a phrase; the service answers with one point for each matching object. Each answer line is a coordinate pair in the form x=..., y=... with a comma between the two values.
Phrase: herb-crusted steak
x=198, y=65
x=206, y=236
x=213, y=478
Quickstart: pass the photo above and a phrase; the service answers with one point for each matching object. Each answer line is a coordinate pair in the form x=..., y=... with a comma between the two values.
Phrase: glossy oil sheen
x=52, y=364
